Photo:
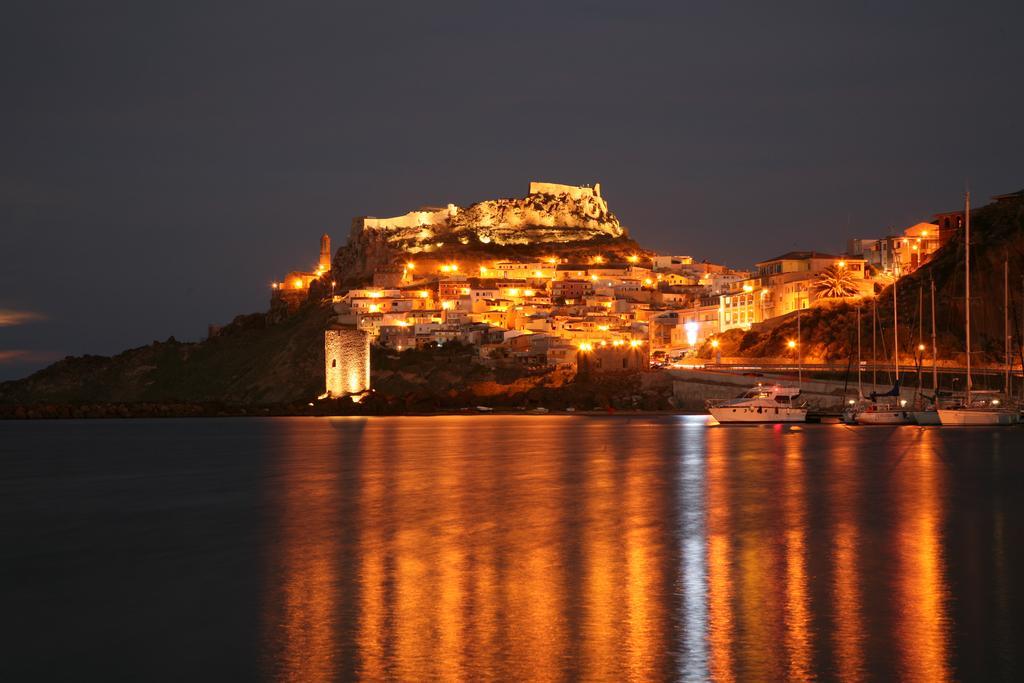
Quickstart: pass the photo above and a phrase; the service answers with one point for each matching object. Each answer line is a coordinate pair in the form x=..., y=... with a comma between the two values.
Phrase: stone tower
x=325, y=252
x=347, y=361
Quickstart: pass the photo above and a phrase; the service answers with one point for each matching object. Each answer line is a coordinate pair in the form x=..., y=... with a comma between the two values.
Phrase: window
x=334, y=363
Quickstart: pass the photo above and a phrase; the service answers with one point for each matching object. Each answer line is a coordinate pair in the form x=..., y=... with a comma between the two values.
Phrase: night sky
x=162, y=163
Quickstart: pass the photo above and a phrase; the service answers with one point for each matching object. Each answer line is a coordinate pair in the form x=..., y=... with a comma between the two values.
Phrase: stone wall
x=574, y=191
x=413, y=219
x=346, y=361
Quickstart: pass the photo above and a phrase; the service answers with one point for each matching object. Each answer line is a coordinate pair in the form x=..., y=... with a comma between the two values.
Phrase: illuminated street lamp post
x=718, y=351
x=792, y=344
x=795, y=344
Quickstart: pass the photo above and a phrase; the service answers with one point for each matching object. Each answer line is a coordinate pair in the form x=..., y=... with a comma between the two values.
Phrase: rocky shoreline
x=649, y=391
x=116, y=411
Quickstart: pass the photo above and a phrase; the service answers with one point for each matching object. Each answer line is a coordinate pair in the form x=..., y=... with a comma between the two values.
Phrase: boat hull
x=758, y=415
x=884, y=417
x=926, y=417
x=959, y=417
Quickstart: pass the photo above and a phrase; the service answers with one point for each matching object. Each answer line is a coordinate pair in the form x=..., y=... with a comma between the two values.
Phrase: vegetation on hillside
x=835, y=283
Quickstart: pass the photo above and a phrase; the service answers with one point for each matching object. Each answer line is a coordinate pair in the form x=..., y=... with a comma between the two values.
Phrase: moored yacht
x=884, y=414
x=981, y=411
x=760, y=404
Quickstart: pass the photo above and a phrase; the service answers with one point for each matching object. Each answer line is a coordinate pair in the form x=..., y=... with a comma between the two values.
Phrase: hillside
x=252, y=361
x=829, y=332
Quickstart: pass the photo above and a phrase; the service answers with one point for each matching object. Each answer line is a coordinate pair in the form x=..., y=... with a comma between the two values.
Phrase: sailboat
x=977, y=409
x=891, y=411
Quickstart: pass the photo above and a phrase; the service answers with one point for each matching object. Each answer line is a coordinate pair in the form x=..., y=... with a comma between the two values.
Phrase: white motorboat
x=760, y=404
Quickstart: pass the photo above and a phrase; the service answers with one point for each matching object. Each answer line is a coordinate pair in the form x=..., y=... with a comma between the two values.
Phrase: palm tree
x=835, y=283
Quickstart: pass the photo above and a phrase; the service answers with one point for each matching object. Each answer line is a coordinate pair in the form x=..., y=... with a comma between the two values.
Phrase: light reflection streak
x=603, y=590
x=694, y=576
x=306, y=624
x=922, y=625
x=372, y=571
x=797, y=611
x=646, y=609
x=848, y=633
x=721, y=629
x=758, y=567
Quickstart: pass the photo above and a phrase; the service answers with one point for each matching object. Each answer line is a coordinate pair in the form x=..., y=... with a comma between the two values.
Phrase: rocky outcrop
x=551, y=215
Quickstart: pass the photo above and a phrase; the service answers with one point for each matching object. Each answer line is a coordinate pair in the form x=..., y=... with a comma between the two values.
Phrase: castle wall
x=346, y=361
x=574, y=191
x=413, y=219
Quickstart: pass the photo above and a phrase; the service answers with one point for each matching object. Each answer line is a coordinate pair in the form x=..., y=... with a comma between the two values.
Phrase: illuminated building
x=293, y=290
x=901, y=254
x=346, y=361
x=609, y=357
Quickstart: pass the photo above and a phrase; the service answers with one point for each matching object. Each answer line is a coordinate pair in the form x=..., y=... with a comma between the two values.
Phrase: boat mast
x=895, y=333
x=799, y=352
x=935, y=369
x=920, y=340
x=967, y=287
x=1006, y=324
x=874, y=347
x=860, y=390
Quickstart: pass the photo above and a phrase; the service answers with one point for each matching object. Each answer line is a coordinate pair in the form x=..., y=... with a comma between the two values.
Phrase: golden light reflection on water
x=372, y=571
x=759, y=602
x=922, y=627
x=848, y=633
x=797, y=610
x=604, y=597
x=549, y=548
x=303, y=619
x=645, y=568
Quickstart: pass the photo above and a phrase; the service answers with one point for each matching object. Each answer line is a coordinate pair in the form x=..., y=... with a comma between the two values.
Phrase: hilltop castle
x=551, y=212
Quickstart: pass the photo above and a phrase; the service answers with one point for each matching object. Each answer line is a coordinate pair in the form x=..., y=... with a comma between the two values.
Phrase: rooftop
x=799, y=256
